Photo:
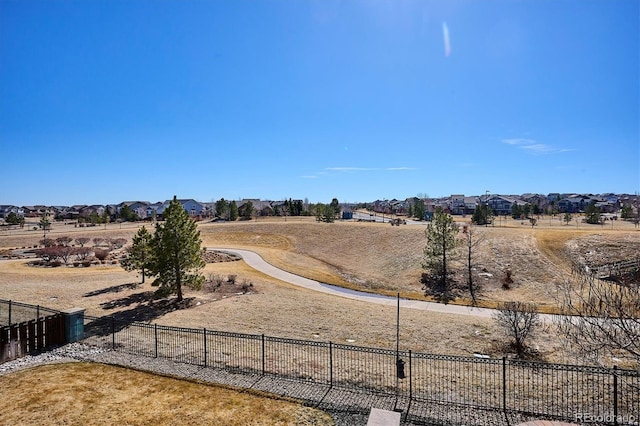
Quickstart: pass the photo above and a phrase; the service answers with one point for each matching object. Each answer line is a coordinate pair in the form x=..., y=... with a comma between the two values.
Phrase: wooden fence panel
x=40, y=333
x=15, y=341
x=23, y=338
x=31, y=336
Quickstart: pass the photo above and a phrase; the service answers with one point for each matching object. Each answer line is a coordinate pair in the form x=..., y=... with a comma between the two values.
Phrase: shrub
x=246, y=285
x=100, y=254
x=86, y=263
x=216, y=279
x=518, y=321
x=231, y=279
x=507, y=280
x=55, y=263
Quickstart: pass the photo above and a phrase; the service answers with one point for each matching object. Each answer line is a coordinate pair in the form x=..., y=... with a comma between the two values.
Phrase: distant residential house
x=257, y=204
x=30, y=211
x=190, y=205
x=37, y=211
x=552, y=197
x=629, y=200
x=66, y=213
x=152, y=209
x=606, y=206
x=456, y=204
x=501, y=205
x=538, y=200
x=208, y=209
x=399, y=206
x=58, y=209
x=574, y=203
x=470, y=204
x=266, y=210
x=6, y=209
x=612, y=200
x=382, y=206
x=137, y=207
x=87, y=211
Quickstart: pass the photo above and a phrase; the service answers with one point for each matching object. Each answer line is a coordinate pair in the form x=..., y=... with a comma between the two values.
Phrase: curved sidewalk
x=254, y=260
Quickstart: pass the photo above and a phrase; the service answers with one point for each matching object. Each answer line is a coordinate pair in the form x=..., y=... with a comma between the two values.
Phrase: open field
x=373, y=257
x=96, y=394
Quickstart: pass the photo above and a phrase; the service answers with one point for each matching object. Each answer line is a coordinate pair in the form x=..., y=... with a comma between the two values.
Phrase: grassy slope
x=94, y=394
x=361, y=255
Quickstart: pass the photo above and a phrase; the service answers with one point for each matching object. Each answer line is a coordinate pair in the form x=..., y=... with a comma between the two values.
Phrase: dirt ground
x=374, y=257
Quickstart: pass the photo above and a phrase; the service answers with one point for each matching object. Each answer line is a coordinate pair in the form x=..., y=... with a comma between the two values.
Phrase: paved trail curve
x=254, y=260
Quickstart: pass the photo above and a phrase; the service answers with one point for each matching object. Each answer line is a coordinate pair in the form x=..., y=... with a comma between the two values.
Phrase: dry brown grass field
x=69, y=394
x=367, y=256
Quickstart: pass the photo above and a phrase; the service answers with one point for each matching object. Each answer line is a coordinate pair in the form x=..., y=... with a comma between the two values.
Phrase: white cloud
x=367, y=169
x=348, y=169
x=533, y=147
x=309, y=177
x=539, y=148
x=518, y=141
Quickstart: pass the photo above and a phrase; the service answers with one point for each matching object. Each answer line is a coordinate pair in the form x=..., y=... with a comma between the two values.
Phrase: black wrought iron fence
x=12, y=312
x=506, y=385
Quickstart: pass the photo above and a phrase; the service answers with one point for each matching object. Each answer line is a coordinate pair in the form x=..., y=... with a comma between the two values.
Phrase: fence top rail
x=296, y=341
x=537, y=365
x=26, y=305
x=415, y=355
x=366, y=349
x=233, y=334
x=31, y=321
x=456, y=358
x=178, y=329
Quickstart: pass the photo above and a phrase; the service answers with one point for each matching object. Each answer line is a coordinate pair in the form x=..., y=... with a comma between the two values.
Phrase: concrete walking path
x=254, y=260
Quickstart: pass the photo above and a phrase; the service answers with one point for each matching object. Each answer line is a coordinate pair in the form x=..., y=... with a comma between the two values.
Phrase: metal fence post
x=410, y=378
x=155, y=332
x=9, y=312
x=37, y=311
x=204, y=333
x=330, y=364
x=113, y=333
x=263, y=355
x=615, y=394
x=504, y=385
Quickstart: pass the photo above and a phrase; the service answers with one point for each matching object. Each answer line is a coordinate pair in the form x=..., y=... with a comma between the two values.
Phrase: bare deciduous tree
x=64, y=240
x=600, y=317
x=81, y=241
x=83, y=253
x=47, y=242
x=55, y=252
x=518, y=320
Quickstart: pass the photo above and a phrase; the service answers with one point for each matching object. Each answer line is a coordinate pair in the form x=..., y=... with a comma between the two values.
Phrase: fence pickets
x=18, y=340
x=555, y=391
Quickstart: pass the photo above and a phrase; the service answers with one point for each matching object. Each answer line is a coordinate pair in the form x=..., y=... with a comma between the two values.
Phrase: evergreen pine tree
x=177, y=252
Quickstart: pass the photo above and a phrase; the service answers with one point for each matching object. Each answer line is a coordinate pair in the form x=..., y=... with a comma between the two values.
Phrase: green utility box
x=73, y=324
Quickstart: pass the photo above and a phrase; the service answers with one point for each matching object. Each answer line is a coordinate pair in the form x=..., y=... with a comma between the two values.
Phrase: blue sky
x=105, y=101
